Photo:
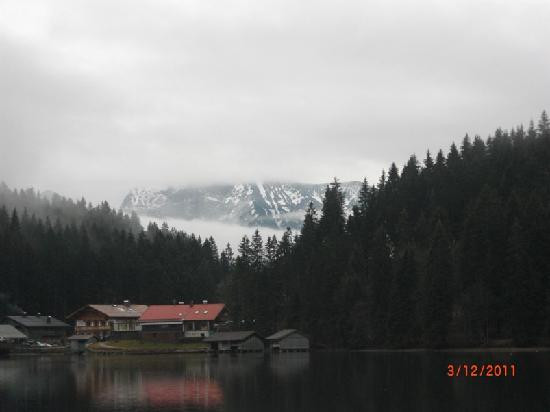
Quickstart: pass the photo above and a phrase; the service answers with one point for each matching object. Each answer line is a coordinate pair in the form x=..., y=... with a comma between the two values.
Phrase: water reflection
x=147, y=383
x=205, y=393
x=382, y=381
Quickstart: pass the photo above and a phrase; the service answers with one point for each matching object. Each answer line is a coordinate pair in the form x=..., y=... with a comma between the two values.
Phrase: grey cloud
x=100, y=97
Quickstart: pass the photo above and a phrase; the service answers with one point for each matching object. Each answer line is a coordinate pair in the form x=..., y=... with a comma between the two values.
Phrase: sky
x=98, y=97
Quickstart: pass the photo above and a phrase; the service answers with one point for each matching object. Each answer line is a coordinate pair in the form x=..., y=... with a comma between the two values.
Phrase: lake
x=316, y=382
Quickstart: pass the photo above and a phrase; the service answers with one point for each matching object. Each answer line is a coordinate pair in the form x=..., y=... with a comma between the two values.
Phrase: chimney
x=191, y=303
x=24, y=314
x=126, y=302
x=49, y=319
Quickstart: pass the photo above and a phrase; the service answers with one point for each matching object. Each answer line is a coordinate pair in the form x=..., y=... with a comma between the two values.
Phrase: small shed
x=79, y=342
x=241, y=341
x=9, y=337
x=9, y=334
x=288, y=340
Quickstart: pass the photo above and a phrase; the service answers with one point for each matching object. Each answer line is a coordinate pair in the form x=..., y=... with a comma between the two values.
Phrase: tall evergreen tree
x=437, y=298
x=401, y=304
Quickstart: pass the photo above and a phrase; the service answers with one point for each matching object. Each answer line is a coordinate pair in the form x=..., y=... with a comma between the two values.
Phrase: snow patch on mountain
x=275, y=205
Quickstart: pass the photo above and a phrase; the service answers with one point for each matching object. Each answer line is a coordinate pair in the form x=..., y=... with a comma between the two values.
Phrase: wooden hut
x=288, y=340
x=242, y=341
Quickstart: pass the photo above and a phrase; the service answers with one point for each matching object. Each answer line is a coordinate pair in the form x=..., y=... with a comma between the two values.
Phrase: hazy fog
x=223, y=233
x=98, y=97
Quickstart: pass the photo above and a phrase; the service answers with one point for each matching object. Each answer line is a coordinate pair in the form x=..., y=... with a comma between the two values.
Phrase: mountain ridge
x=269, y=204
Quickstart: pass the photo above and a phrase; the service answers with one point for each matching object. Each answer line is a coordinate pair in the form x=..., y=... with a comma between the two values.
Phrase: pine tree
x=332, y=222
x=544, y=123
x=227, y=259
x=437, y=298
x=525, y=294
x=379, y=266
x=401, y=307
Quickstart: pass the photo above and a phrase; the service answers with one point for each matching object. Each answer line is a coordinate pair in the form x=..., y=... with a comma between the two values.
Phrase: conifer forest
x=452, y=249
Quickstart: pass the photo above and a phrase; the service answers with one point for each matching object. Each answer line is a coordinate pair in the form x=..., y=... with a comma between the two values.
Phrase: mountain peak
x=269, y=204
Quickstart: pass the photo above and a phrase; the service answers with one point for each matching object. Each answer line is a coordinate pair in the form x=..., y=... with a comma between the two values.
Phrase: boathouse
x=241, y=341
x=287, y=340
x=79, y=342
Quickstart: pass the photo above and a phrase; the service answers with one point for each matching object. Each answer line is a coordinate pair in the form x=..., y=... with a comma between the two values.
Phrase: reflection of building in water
x=107, y=382
x=203, y=392
x=289, y=363
x=131, y=382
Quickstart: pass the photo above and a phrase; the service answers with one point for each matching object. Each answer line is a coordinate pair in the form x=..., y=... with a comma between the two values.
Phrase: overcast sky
x=97, y=97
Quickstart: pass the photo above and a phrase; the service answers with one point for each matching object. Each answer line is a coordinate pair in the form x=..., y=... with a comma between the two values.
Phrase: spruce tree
x=401, y=309
x=436, y=290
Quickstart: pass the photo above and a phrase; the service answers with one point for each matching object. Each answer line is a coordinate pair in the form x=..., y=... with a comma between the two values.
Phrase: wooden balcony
x=92, y=329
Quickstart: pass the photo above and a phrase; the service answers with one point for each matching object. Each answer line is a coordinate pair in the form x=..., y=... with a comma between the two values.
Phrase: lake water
x=327, y=381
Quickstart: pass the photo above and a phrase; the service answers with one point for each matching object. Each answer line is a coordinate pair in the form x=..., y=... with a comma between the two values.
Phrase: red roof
x=156, y=313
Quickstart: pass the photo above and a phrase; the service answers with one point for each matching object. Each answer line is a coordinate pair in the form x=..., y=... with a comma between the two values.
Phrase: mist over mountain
x=275, y=205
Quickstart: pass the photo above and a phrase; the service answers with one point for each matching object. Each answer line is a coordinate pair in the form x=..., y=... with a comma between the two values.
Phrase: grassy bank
x=138, y=346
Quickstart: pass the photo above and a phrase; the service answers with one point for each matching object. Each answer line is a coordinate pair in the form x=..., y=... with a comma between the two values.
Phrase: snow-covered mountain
x=276, y=205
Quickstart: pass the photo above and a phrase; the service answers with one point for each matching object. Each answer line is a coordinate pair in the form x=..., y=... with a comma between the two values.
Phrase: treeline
x=63, y=211
x=451, y=251
x=56, y=255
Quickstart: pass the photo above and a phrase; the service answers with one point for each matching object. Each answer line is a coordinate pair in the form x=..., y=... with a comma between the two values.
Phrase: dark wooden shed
x=79, y=342
x=241, y=341
x=288, y=340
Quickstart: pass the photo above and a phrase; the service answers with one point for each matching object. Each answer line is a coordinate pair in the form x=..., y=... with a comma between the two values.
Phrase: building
x=242, y=341
x=45, y=329
x=178, y=322
x=9, y=337
x=8, y=334
x=288, y=340
x=104, y=321
x=79, y=342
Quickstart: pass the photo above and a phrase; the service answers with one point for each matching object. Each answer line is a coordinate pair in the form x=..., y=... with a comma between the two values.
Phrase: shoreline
x=130, y=348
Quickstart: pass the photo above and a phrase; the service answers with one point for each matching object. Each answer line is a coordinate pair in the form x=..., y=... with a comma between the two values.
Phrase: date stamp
x=488, y=370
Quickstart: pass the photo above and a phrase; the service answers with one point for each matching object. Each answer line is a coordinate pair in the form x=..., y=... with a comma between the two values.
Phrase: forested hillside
x=453, y=250
x=56, y=255
x=450, y=250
